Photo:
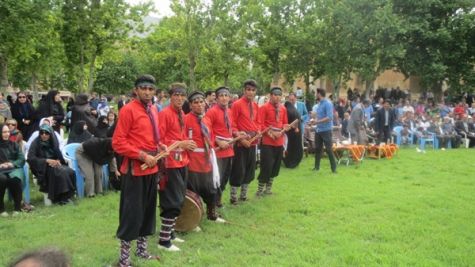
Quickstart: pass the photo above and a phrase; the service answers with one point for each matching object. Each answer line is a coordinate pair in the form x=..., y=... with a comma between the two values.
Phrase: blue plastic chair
x=105, y=177
x=69, y=154
x=427, y=139
x=398, y=130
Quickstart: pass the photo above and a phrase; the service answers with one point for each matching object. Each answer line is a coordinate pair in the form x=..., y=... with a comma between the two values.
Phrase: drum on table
x=191, y=213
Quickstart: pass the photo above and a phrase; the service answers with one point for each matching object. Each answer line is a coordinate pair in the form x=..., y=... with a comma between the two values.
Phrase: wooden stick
x=292, y=124
x=163, y=153
x=259, y=135
x=232, y=141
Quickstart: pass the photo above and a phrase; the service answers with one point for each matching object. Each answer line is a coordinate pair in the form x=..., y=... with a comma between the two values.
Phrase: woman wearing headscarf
x=294, y=152
x=15, y=134
x=51, y=107
x=11, y=171
x=81, y=111
x=48, y=165
x=5, y=112
x=79, y=133
x=23, y=112
x=102, y=127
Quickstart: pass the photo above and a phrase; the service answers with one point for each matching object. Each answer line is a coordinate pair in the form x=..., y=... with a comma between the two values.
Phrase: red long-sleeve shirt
x=133, y=134
x=199, y=161
x=242, y=116
x=267, y=118
x=215, y=115
x=171, y=132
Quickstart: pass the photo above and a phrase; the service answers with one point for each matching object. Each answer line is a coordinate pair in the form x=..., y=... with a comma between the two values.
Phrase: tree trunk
x=336, y=87
x=81, y=69
x=33, y=82
x=192, y=71
x=275, y=78
x=3, y=73
x=92, y=68
x=226, y=78
x=307, y=82
x=369, y=87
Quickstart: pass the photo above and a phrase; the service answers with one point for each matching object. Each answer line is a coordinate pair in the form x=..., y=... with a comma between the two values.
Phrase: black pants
x=14, y=186
x=202, y=184
x=244, y=166
x=225, y=166
x=173, y=195
x=271, y=158
x=324, y=138
x=138, y=205
x=384, y=135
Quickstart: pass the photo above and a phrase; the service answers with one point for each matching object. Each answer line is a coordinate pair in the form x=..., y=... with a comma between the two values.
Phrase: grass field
x=414, y=210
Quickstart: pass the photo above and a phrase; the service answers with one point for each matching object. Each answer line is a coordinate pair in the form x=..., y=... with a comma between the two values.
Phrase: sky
x=162, y=7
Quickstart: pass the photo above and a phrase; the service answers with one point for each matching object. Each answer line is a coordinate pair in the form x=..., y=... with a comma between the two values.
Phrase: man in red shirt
x=272, y=115
x=245, y=113
x=201, y=178
x=172, y=195
x=136, y=138
x=223, y=130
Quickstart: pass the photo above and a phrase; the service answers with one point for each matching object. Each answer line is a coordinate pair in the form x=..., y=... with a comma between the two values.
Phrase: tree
x=270, y=30
x=438, y=40
x=361, y=38
x=23, y=25
x=90, y=28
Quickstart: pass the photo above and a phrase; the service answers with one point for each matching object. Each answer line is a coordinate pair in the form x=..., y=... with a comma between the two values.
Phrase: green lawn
x=414, y=210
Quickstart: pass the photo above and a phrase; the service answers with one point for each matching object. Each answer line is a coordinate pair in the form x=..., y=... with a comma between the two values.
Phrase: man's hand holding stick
x=163, y=153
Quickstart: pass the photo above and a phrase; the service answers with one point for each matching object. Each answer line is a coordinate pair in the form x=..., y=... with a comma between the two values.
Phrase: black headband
x=222, y=90
x=276, y=91
x=145, y=84
x=195, y=95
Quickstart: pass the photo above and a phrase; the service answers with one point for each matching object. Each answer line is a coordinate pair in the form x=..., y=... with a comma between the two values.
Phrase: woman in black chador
x=294, y=153
x=48, y=165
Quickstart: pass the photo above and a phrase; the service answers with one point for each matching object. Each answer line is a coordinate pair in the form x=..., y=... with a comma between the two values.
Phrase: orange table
x=349, y=153
x=382, y=151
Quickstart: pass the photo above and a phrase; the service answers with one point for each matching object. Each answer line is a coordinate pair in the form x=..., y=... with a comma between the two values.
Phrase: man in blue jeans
x=323, y=135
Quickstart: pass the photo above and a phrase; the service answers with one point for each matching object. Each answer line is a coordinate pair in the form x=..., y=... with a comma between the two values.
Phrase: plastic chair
x=398, y=130
x=427, y=139
x=69, y=154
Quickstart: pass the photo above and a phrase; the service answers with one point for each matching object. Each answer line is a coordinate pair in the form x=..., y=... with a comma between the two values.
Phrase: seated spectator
x=91, y=155
x=15, y=134
x=34, y=135
x=47, y=164
x=471, y=110
x=12, y=161
x=445, y=132
x=79, y=133
x=405, y=135
x=465, y=130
